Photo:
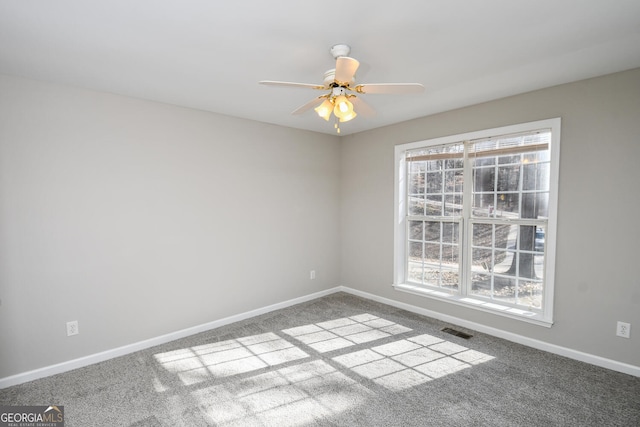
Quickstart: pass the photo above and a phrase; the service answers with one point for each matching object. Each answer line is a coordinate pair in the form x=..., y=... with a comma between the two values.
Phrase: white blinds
x=503, y=145
x=510, y=144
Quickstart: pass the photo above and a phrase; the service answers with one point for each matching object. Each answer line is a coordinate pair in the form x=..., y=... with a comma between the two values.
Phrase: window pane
x=499, y=236
x=450, y=280
x=416, y=183
x=504, y=289
x=432, y=252
x=480, y=284
x=535, y=205
x=530, y=205
x=482, y=260
x=539, y=239
x=484, y=205
x=432, y=231
x=537, y=165
x=415, y=251
x=503, y=261
x=506, y=235
x=453, y=181
x=450, y=232
x=538, y=263
x=508, y=178
x=433, y=165
x=535, y=176
x=454, y=164
x=447, y=279
x=484, y=179
x=432, y=276
x=483, y=235
x=434, y=182
x=543, y=205
x=450, y=254
x=416, y=206
x=434, y=205
x=417, y=167
x=415, y=230
x=452, y=205
x=414, y=271
x=508, y=205
x=527, y=237
x=530, y=294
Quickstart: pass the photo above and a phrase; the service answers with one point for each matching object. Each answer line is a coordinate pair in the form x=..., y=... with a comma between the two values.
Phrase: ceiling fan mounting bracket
x=339, y=50
x=331, y=82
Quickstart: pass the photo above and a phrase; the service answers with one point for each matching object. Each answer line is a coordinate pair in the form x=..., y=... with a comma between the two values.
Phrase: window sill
x=477, y=304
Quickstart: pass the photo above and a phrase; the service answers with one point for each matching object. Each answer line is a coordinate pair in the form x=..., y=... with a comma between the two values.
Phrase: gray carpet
x=338, y=361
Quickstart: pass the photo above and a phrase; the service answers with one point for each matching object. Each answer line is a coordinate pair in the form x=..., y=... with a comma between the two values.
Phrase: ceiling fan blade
x=309, y=105
x=390, y=88
x=291, y=84
x=361, y=107
x=345, y=69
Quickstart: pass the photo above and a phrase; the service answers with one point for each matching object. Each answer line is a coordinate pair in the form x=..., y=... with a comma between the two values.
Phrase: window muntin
x=476, y=230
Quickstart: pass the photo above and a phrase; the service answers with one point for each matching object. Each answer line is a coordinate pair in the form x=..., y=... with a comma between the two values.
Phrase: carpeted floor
x=338, y=361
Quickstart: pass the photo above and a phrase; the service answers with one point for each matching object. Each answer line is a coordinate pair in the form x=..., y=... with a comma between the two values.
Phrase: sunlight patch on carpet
x=227, y=358
x=409, y=362
x=239, y=382
x=345, y=332
x=293, y=396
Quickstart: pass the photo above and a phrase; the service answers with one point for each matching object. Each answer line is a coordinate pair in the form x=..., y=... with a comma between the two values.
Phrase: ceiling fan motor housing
x=330, y=78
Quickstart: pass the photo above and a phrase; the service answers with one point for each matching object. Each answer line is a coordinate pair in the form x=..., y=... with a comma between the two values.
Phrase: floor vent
x=457, y=333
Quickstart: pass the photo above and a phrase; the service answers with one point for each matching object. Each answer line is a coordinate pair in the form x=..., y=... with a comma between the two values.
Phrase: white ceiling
x=209, y=54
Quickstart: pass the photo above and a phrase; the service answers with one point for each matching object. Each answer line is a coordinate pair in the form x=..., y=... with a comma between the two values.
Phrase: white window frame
x=463, y=297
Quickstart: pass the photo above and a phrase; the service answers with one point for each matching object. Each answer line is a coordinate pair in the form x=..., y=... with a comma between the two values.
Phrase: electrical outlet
x=72, y=328
x=623, y=330
x=312, y=275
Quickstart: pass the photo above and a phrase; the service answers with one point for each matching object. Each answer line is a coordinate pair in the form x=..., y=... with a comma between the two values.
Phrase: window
x=476, y=218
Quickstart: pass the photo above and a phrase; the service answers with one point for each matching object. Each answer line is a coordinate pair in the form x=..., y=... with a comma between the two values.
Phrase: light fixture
x=324, y=110
x=343, y=109
x=337, y=102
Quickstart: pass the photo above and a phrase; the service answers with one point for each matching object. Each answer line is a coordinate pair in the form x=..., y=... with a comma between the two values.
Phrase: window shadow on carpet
x=306, y=374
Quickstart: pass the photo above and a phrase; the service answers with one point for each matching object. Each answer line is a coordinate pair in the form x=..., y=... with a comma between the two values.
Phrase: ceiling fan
x=339, y=85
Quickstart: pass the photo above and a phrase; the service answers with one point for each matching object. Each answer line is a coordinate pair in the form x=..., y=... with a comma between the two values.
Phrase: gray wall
x=597, y=281
x=139, y=219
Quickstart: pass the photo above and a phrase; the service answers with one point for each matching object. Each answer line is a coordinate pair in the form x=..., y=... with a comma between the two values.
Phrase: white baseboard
x=141, y=345
x=529, y=342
